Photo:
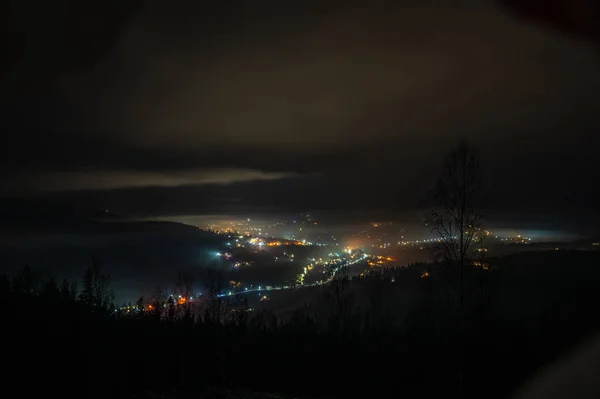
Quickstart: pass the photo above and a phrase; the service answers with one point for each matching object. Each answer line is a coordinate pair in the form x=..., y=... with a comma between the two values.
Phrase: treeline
x=70, y=341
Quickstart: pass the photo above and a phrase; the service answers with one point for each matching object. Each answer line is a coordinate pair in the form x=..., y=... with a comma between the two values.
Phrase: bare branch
x=454, y=213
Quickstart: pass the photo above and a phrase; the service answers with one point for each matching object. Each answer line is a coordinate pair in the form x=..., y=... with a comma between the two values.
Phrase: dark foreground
x=364, y=338
x=212, y=394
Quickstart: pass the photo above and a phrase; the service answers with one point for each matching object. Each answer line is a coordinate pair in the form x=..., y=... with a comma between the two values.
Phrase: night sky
x=171, y=108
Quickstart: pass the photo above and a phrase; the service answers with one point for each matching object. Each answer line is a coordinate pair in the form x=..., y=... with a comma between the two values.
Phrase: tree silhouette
x=184, y=286
x=159, y=302
x=96, y=293
x=86, y=296
x=454, y=217
x=171, y=309
x=454, y=214
x=139, y=304
x=67, y=290
x=25, y=281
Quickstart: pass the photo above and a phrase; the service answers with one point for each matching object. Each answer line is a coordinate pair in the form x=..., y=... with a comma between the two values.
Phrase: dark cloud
x=356, y=75
x=60, y=37
x=348, y=104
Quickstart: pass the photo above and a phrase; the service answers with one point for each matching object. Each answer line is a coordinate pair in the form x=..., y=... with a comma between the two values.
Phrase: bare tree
x=26, y=281
x=139, y=305
x=96, y=292
x=159, y=302
x=185, y=282
x=454, y=214
x=184, y=288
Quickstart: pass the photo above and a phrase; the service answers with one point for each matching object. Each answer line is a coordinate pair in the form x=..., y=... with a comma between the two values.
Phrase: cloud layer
x=372, y=93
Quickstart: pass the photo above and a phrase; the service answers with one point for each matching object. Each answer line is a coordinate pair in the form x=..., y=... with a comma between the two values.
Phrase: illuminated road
x=261, y=290
x=335, y=267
